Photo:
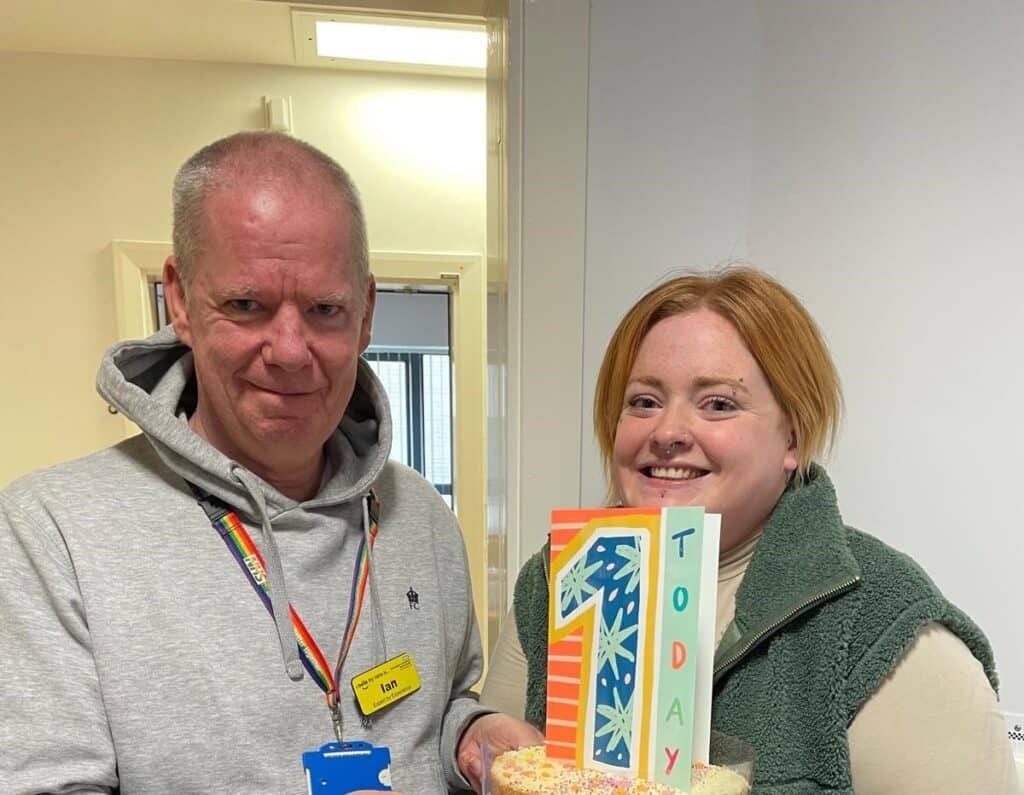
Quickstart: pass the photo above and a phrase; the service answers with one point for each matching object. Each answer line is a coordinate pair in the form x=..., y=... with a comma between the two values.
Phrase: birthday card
x=631, y=640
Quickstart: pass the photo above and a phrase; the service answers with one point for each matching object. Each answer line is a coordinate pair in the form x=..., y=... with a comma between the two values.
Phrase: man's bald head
x=251, y=159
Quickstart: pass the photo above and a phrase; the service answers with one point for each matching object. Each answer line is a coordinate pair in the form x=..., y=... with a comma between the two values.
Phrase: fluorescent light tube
x=431, y=46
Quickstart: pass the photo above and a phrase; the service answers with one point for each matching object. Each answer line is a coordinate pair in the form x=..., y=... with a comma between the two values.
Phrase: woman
x=837, y=658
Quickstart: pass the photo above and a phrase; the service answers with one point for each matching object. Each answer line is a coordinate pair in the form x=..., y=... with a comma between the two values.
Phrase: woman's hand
x=499, y=733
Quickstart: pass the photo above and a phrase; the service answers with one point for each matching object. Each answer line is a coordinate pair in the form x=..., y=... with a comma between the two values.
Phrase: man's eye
x=243, y=304
x=326, y=310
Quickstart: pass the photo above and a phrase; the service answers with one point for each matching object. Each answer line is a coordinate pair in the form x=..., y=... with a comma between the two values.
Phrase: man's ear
x=366, y=331
x=176, y=301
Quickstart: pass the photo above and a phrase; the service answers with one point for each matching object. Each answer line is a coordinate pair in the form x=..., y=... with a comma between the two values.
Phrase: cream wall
x=88, y=149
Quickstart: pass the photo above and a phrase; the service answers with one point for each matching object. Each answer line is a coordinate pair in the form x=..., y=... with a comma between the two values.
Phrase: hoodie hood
x=152, y=383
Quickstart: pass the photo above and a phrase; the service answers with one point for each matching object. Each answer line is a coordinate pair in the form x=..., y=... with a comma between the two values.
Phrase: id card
x=386, y=683
x=340, y=768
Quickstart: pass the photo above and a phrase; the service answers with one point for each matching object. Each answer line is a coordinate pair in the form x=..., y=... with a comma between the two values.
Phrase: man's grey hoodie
x=134, y=653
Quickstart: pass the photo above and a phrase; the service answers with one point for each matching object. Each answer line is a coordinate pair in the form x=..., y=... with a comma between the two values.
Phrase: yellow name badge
x=386, y=683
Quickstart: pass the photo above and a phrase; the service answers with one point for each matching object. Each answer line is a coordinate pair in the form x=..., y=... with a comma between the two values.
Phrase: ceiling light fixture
x=377, y=43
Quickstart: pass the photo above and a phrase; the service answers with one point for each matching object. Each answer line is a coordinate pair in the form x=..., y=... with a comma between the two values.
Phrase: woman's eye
x=717, y=404
x=642, y=402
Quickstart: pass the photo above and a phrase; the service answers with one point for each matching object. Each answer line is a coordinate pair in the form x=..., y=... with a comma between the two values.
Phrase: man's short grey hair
x=265, y=154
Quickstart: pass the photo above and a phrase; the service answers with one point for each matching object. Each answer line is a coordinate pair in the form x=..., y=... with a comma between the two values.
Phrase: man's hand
x=499, y=733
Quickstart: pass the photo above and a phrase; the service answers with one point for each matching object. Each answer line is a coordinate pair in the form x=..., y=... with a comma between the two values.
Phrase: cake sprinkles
x=529, y=771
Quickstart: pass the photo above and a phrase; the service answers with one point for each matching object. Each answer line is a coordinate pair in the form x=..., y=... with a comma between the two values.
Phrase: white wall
x=867, y=154
x=888, y=193
x=669, y=161
x=547, y=169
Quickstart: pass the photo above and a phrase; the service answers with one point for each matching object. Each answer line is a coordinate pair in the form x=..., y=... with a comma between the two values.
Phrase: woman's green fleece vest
x=823, y=614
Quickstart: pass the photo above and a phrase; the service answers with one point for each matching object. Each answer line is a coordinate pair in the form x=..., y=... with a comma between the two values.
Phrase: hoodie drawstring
x=379, y=636
x=280, y=605
x=298, y=648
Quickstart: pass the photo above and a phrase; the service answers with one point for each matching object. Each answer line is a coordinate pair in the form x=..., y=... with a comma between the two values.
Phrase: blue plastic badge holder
x=340, y=768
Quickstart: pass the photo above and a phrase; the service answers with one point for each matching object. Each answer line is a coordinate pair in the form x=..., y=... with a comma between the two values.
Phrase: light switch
x=277, y=114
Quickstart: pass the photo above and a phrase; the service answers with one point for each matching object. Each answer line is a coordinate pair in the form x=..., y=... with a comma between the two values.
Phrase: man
x=156, y=595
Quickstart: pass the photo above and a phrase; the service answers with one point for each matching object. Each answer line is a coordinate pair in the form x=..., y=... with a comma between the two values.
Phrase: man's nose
x=287, y=345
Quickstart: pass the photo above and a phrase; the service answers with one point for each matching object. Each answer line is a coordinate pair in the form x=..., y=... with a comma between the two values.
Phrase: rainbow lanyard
x=230, y=527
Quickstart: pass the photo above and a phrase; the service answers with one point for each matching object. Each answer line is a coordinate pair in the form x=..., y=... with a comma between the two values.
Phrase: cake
x=529, y=771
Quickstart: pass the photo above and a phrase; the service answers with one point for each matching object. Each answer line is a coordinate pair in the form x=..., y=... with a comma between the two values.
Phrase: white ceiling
x=250, y=31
